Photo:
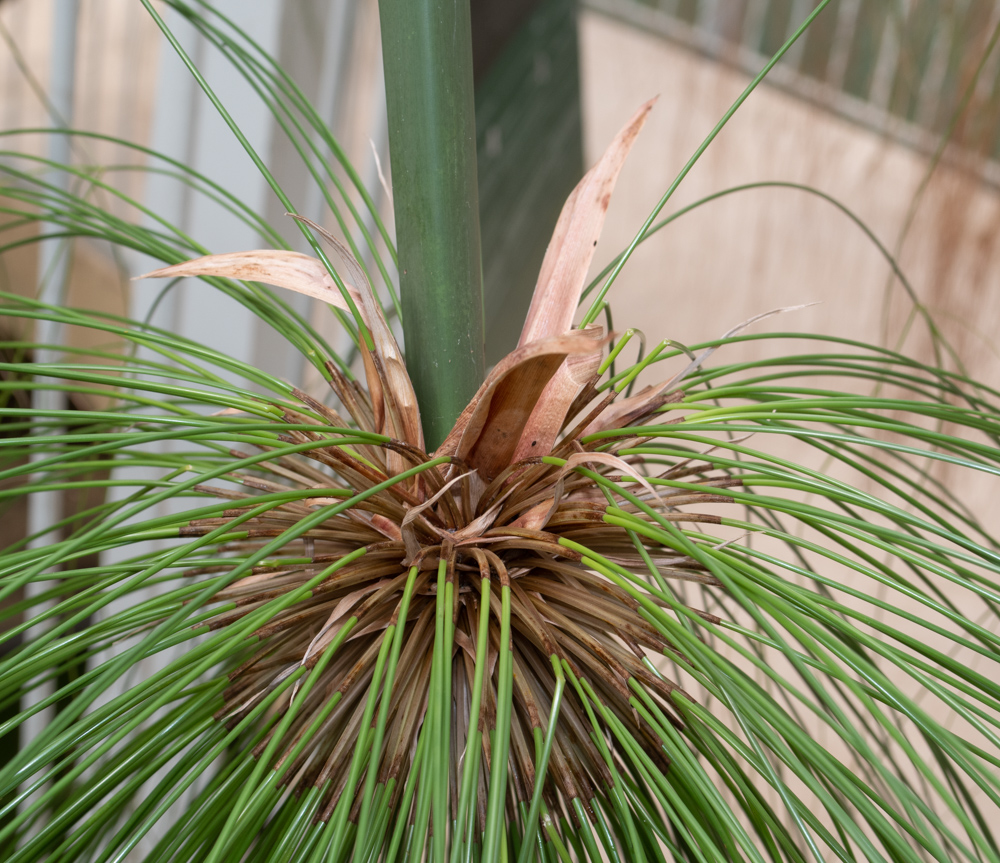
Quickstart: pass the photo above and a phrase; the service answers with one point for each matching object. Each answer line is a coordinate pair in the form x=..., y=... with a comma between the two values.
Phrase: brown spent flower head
x=417, y=547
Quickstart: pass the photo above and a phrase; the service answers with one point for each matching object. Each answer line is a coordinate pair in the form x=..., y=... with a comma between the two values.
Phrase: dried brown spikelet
x=488, y=512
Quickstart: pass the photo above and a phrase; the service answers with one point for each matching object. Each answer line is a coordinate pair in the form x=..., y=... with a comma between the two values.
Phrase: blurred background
x=889, y=108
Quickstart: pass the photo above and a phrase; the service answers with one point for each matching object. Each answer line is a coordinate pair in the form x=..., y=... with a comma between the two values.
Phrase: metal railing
x=914, y=69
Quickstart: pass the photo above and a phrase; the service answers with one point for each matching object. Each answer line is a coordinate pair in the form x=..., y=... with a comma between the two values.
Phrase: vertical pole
x=427, y=55
x=45, y=508
x=54, y=258
x=54, y=255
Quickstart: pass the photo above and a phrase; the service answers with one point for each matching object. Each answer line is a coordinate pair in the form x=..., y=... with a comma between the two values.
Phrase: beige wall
x=777, y=247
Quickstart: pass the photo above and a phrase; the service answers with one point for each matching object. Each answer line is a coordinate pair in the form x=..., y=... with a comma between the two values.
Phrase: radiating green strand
x=681, y=817
x=441, y=694
x=383, y=810
x=166, y=494
x=869, y=233
x=826, y=768
x=395, y=633
x=765, y=820
x=432, y=799
x=894, y=698
x=609, y=844
x=586, y=833
x=693, y=770
x=465, y=815
x=291, y=90
x=651, y=819
x=287, y=120
x=618, y=517
x=134, y=767
x=189, y=175
x=844, y=523
x=901, y=789
x=542, y=761
x=942, y=659
x=617, y=800
x=424, y=791
x=264, y=761
x=716, y=679
x=244, y=627
x=136, y=580
x=553, y=835
x=179, y=786
x=160, y=341
x=876, y=646
x=406, y=802
x=362, y=754
x=771, y=775
x=500, y=746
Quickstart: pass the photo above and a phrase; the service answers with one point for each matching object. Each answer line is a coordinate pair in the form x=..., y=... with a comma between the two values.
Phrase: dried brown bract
x=411, y=546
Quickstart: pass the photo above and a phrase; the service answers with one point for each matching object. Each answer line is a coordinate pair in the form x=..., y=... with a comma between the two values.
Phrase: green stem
x=427, y=52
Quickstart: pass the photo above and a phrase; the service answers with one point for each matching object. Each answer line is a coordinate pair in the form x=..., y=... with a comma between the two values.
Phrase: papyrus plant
x=743, y=613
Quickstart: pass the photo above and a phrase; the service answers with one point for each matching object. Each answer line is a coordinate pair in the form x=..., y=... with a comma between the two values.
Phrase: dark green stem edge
x=427, y=53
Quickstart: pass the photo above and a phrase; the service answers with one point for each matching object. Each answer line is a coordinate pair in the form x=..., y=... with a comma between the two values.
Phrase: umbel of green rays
x=760, y=623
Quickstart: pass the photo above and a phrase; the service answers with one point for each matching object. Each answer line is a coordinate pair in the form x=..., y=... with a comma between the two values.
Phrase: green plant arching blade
x=781, y=642
x=750, y=614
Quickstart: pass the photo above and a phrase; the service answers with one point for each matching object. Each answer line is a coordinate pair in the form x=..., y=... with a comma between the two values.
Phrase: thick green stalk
x=427, y=52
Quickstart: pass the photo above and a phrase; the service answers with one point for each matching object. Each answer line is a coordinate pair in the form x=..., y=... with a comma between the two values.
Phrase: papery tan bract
x=283, y=269
x=571, y=249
